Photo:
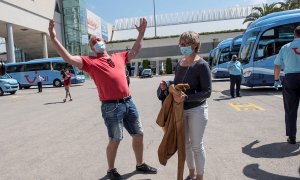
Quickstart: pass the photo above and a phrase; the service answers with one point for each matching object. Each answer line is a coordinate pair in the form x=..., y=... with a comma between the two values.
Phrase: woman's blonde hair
x=191, y=37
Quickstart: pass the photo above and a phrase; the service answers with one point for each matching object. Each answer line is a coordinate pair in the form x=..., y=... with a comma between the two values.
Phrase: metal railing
x=186, y=17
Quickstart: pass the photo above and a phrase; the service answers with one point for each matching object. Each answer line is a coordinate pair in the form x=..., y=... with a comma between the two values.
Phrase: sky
x=110, y=10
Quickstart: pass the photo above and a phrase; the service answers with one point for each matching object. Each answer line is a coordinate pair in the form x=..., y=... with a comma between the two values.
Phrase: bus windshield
x=215, y=56
x=235, y=45
x=211, y=56
x=225, y=55
x=247, y=46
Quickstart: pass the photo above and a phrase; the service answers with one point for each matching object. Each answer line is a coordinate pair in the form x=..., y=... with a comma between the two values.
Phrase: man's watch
x=276, y=79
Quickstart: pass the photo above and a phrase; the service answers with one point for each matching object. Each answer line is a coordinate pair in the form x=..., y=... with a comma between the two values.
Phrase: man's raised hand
x=51, y=29
x=143, y=25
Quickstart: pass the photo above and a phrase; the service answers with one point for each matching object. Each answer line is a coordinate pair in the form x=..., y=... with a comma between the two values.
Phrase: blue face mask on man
x=99, y=47
x=186, y=51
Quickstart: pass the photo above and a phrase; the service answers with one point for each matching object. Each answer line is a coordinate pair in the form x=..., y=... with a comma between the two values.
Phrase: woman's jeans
x=195, y=123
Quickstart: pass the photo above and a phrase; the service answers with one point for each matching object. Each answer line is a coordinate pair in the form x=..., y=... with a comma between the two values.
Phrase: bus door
x=267, y=49
x=245, y=56
x=263, y=58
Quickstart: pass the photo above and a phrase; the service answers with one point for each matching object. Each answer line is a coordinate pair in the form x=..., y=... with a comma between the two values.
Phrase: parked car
x=146, y=73
x=8, y=85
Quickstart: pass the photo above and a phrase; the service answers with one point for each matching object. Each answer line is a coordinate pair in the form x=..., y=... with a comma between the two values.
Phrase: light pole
x=154, y=18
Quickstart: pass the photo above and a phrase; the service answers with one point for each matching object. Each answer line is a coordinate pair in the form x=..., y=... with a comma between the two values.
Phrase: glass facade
x=75, y=26
x=21, y=56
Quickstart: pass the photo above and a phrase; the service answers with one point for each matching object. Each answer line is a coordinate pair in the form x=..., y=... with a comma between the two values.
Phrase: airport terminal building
x=24, y=30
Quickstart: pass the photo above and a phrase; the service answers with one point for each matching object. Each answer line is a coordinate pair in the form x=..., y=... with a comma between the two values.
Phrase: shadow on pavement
x=220, y=80
x=125, y=176
x=255, y=91
x=253, y=171
x=52, y=87
x=274, y=150
x=222, y=98
x=58, y=102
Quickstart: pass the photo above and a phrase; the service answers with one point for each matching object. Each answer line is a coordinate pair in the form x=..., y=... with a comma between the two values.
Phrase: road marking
x=246, y=107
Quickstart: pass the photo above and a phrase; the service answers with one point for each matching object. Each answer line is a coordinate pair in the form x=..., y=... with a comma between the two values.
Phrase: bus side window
x=46, y=66
x=269, y=50
x=57, y=66
x=31, y=67
x=284, y=36
x=11, y=69
x=20, y=68
x=71, y=69
x=265, y=45
x=15, y=68
x=260, y=53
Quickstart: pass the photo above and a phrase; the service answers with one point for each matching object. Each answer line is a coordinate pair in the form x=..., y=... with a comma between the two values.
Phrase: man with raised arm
x=117, y=107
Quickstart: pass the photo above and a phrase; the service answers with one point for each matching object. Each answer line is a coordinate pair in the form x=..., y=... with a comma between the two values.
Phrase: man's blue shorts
x=117, y=115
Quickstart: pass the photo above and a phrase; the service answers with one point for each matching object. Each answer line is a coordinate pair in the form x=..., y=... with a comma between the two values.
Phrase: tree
x=169, y=66
x=258, y=12
x=289, y=4
x=146, y=64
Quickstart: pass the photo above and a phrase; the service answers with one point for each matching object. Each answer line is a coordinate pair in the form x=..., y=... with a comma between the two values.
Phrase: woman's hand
x=179, y=98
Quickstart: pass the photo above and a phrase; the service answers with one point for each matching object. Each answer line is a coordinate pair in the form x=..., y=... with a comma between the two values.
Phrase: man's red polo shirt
x=110, y=81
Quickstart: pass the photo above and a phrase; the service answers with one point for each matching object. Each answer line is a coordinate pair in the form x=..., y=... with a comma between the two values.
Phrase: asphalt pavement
x=43, y=138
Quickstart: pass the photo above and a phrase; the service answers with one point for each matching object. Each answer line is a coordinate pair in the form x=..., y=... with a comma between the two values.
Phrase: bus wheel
x=26, y=87
x=57, y=83
x=1, y=92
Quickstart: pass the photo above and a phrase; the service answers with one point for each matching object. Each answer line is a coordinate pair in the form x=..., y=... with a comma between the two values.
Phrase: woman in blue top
x=235, y=73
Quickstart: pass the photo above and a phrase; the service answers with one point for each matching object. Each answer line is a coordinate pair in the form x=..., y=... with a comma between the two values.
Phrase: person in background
x=40, y=80
x=195, y=71
x=67, y=83
x=2, y=68
x=163, y=91
x=235, y=72
x=289, y=59
x=127, y=76
x=117, y=107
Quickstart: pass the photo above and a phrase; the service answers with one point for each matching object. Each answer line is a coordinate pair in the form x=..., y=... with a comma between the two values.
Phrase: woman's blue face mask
x=186, y=51
x=99, y=47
